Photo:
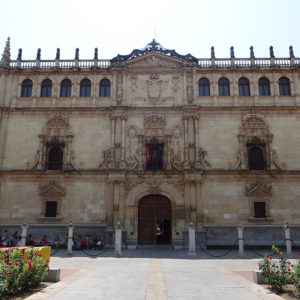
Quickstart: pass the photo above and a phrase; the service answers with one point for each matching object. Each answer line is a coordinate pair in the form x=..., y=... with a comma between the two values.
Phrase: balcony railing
x=203, y=63
x=60, y=64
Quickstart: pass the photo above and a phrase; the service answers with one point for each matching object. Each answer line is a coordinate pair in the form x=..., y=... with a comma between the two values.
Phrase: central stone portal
x=154, y=220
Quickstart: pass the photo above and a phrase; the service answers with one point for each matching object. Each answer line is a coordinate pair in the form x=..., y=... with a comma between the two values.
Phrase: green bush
x=297, y=280
x=278, y=273
x=19, y=273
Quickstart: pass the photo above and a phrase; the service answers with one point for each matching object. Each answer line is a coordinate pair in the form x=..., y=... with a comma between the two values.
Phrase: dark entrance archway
x=154, y=220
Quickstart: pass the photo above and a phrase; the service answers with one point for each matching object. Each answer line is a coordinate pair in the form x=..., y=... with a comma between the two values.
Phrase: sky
x=119, y=26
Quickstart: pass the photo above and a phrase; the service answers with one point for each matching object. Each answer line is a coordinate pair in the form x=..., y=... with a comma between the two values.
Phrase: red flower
x=29, y=264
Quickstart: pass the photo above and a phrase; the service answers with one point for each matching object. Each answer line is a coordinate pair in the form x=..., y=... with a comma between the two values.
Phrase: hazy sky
x=118, y=26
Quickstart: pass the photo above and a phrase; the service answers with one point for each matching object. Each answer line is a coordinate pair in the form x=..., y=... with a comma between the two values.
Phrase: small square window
x=51, y=209
x=260, y=210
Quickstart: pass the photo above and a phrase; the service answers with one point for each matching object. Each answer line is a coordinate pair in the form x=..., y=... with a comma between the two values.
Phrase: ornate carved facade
x=142, y=124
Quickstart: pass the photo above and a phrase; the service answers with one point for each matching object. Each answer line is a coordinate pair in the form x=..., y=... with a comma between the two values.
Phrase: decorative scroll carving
x=153, y=47
x=254, y=129
x=275, y=160
x=189, y=87
x=57, y=130
x=258, y=189
x=201, y=161
x=52, y=189
x=119, y=86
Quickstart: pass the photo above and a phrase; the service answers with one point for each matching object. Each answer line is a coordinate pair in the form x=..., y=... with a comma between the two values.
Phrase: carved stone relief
x=258, y=189
x=154, y=88
x=57, y=130
x=253, y=129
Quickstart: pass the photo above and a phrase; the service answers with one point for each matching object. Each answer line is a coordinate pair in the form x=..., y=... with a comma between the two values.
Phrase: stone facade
x=154, y=93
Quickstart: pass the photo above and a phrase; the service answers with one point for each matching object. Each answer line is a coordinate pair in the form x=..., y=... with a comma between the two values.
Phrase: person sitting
x=57, y=243
x=99, y=244
x=44, y=241
x=83, y=243
x=30, y=241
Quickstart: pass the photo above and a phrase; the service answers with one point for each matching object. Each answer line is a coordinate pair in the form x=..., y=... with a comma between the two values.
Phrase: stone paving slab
x=153, y=275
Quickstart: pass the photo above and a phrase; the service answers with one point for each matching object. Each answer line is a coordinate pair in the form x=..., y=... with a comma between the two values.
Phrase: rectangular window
x=259, y=209
x=51, y=209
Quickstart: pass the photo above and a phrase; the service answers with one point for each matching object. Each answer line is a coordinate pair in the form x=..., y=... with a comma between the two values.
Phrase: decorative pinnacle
x=19, y=54
x=96, y=53
x=5, y=60
x=212, y=52
x=38, y=54
x=272, y=55
x=252, y=52
x=292, y=55
x=57, y=56
x=77, y=54
x=232, y=52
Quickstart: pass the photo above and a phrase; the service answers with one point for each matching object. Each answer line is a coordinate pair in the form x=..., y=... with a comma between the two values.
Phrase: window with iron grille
x=154, y=155
x=256, y=156
x=55, y=156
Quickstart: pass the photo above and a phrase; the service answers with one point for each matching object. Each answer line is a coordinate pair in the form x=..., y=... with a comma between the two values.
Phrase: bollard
x=241, y=240
x=288, y=241
x=24, y=235
x=192, y=240
x=70, y=238
x=118, y=240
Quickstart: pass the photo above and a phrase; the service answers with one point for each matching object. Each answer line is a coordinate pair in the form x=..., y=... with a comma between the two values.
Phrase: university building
x=151, y=141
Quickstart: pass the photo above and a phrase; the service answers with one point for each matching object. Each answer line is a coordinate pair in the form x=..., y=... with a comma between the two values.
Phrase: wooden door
x=154, y=220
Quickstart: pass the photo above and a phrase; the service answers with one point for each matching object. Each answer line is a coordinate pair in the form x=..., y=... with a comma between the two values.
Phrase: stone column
x=186, y=141
x=123, y=137
x=70, y=238
x=24, y=234
x=118, y=240
x=192, y=240
x=240, y=230
x=288, y=241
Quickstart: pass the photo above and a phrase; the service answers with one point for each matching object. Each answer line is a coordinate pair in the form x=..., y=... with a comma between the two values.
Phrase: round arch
x=154, y=220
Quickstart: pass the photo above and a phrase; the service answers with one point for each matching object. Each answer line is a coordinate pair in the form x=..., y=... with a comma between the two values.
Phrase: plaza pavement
x=153, y=275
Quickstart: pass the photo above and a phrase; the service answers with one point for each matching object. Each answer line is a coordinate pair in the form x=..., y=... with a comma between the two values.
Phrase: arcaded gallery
x=153, y=142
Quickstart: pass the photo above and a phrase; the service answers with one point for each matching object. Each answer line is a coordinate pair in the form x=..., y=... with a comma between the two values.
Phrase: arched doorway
x=154, y=220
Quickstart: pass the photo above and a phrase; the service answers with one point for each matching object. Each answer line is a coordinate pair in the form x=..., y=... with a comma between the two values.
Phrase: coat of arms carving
x=154, y=87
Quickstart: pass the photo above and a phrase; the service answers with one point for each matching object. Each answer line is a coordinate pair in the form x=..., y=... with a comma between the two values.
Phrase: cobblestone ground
x=153, y=275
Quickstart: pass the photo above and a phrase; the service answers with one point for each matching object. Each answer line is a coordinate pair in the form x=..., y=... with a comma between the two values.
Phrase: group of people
x=10, y=240
x=79, y=242
x=87, y=242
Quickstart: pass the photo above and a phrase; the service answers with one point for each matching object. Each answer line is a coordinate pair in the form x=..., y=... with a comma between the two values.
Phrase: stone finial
x=5, y=60
x=272, y=52
x=19, y=58
x=77, y=54
x=96, y=53
x=38, y=54
x=292, y=55
x=252, y=52
x=57, y=56
x=212, y=52
x=232, y=52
